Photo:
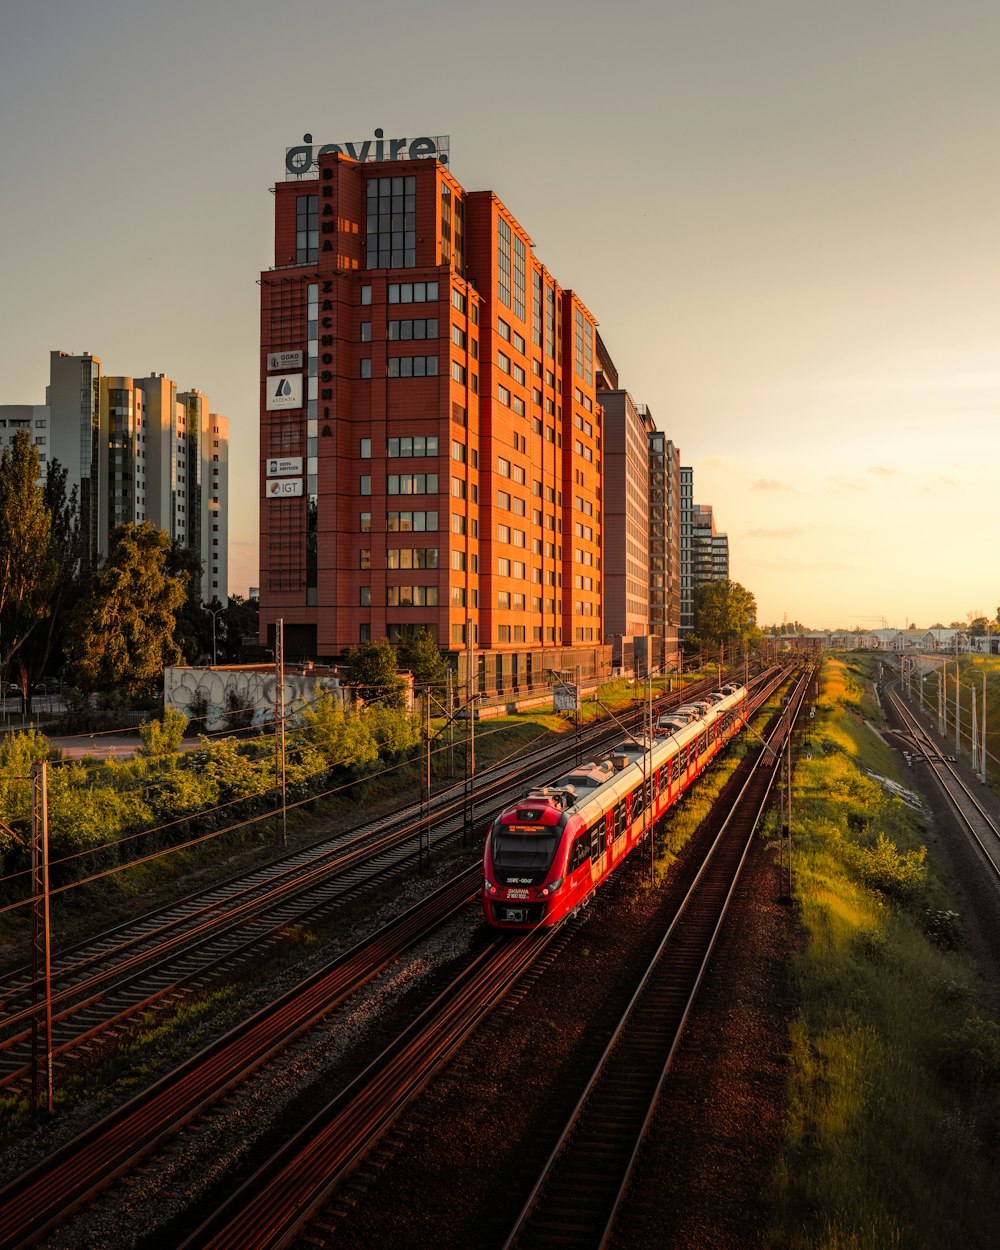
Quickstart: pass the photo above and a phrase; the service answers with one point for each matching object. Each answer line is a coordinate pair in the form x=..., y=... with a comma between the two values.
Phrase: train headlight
x=551, y=888
x=489, y=887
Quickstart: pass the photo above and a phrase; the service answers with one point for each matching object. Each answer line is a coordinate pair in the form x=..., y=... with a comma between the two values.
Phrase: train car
x=547, y=853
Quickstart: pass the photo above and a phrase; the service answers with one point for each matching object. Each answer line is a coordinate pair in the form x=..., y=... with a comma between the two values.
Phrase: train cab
x=522, y=867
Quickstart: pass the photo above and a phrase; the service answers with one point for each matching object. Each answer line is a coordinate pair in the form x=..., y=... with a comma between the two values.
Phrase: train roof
x=574, y=790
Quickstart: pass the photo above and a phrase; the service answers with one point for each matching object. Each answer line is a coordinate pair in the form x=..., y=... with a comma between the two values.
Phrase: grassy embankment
x=893, y=1129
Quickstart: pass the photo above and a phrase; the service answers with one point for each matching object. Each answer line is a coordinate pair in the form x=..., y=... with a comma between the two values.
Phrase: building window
x=306, y=229
x=411, y=558
x=417, y=445
x=392, y=222
x=503, y=261
x=366, y=449
x=410, y=522
x=413, y=366
x=412, y=484
x=365, y=555
x=419, y=328
x=412, y=292
x=366, y=522
x=366, y=484
x=365, y=596
x=366, y=368
x=366, y=332
x=519, y=277
x=366, y=295
x=583, y=359
x=411, y=596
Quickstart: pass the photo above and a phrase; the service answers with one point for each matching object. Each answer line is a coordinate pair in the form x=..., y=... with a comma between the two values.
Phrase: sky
x=783, y=213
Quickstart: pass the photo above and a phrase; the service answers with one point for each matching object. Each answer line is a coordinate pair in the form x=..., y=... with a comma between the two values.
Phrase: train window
x=638, y=802
x=595, y=839
x=656, y=784
x=620, y=819
x=580, y=852
x=519, y=851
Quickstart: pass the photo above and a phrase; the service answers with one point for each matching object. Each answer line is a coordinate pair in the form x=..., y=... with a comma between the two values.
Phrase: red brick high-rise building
x=430, y=429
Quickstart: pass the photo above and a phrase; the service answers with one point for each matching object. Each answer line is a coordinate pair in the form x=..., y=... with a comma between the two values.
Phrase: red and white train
x=548, y=852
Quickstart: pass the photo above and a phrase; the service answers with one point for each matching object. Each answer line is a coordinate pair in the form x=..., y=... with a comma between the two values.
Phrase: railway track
x=270, y=1208
x=973, y=817
x=101, y=985
x=61, y=1184
x=577, y=1197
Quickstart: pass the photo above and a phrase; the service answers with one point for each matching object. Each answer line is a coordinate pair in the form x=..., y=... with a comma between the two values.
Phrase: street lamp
x=213, y=613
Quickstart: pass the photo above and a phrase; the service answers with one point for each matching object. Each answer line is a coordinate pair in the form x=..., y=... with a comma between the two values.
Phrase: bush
x=943, y=927
x=970, y=1055
x=901, y=877
x=163, y=737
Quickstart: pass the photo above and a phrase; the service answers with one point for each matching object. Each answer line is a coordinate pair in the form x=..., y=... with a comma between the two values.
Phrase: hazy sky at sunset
x=785, y=215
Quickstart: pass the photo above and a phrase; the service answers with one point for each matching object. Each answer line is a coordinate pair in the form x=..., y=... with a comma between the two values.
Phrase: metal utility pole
x=41, y=945
x=279, y=723
x=647, y=779
x=975, y=734
x=470, y=741
x=943, y=677
x=982, y=754
x=424, y=842
x=576, y=755
x=958, y=719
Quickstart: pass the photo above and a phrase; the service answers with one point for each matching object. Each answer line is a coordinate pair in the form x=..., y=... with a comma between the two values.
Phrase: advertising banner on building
x=288, y=467
x=283, y=360
x=283, y=487
x=284, y=390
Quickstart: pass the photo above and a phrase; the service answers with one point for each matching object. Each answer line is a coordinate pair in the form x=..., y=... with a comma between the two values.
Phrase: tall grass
x=893, y=1127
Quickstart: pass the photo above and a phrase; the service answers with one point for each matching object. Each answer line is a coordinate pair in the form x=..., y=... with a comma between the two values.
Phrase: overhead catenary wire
x=243, y=823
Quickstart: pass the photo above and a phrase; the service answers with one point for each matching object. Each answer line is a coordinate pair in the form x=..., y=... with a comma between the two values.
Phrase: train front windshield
x=523, y=852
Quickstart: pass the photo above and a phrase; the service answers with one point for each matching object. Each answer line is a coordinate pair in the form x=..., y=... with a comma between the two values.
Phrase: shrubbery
x=167, y=796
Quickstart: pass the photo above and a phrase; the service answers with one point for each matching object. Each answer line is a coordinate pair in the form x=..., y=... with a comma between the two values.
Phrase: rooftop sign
x=301, y=162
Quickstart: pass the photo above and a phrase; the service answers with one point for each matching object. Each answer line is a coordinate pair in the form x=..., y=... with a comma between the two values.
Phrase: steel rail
x=215, y=915
x=267, y=1211
x=959, y=796
x=579, y=1193
x=270, y=1208
x=50, y=1192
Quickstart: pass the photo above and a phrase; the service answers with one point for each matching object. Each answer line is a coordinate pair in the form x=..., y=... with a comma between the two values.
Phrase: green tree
x=424, y=660
x=241, y=620
x=725, y=615
x=372, y=668
x=27, y=563
x=342, y=739
x=193, y=627
x=122, y=634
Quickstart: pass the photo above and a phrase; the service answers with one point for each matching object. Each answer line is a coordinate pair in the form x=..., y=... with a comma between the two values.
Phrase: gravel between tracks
x=474, y=1138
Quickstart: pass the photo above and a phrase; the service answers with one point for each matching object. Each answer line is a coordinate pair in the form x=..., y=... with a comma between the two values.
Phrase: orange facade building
x=430, y=428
